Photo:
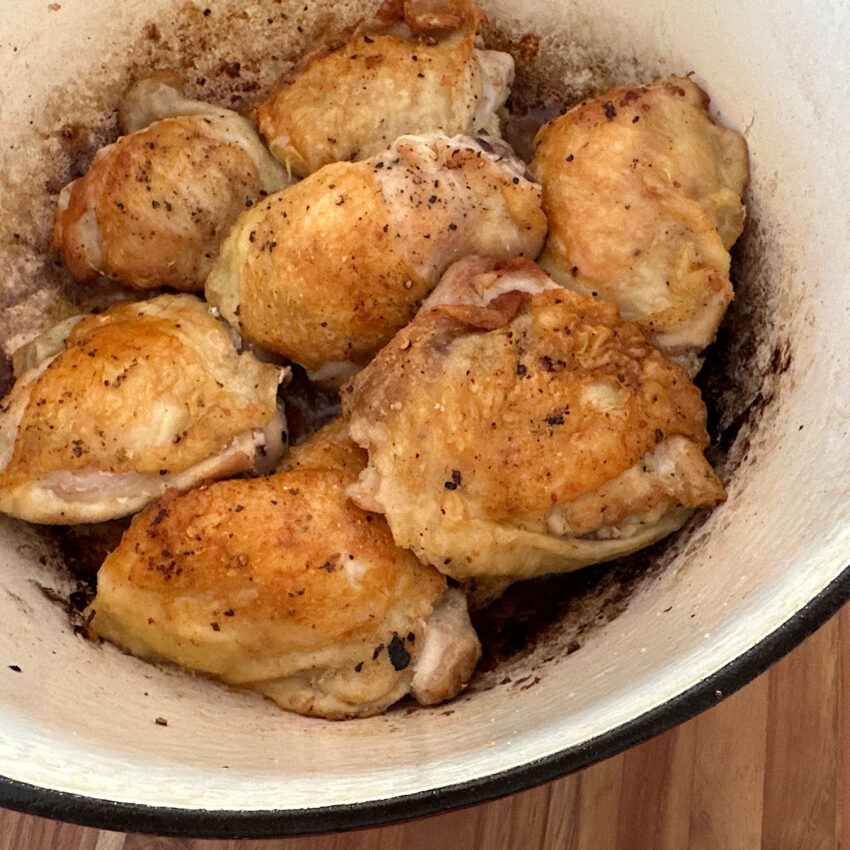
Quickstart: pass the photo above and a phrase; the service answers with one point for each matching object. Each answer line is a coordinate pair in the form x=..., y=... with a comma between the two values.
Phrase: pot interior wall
x=79, y=717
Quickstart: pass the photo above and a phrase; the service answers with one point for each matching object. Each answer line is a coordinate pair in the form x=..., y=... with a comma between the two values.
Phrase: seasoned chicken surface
x=119, y=407
x=414, y=69
x=643, y=196
x=515, y=428
x=283, y=585
x=154, y=206
x=326, y=271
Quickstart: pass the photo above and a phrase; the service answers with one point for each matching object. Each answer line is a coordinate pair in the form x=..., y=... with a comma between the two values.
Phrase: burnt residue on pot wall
x=744, y=369
x=230, y=55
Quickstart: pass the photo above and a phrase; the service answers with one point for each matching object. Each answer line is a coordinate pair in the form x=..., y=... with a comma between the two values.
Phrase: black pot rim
x=227, y=824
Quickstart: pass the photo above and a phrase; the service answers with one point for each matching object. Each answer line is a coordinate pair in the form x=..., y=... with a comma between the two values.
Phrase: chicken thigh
x=285, y=586
x=515, y=428
x=643, y=196
x=326, y=271
x=414, y=69
x=154, y=206
x=119, y=407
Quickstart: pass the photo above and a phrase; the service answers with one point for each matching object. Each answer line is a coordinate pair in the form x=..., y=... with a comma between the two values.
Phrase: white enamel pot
x=659, y=639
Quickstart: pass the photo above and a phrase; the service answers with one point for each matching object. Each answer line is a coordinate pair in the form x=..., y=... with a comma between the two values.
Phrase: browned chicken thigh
x=285, y=586
x=416, y=68
x=154, y=206
x=326, y=271
x=116, y=408
x=643, y=196
x=515, y=428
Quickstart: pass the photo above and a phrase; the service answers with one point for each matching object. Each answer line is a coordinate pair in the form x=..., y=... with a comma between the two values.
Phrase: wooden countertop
x=767, y=768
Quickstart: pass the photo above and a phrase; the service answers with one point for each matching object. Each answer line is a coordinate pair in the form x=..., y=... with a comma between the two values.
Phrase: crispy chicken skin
x=414, y=69
x=643, y=196
x=154, y=206
x=285, y=586
x=515, y=428
x=120, y=406
x=326, y=271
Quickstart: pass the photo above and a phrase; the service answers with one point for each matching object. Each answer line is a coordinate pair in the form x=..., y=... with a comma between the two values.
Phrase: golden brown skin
x=526, y=429
x=154, y=206
x=140, y=398
x=326, y=271
x=415, y=69
x=284, y=585
x=643, y=195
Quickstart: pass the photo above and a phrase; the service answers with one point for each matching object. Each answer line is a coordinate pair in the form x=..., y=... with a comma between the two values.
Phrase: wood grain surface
x=767, y=768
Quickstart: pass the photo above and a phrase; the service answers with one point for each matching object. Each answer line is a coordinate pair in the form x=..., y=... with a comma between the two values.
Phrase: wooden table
x=767, y=768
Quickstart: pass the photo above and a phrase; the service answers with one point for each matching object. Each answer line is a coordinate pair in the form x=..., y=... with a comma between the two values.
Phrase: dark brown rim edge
x=224, y=824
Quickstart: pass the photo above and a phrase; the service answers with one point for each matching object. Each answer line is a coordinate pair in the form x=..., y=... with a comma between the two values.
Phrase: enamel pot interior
x=625, y=651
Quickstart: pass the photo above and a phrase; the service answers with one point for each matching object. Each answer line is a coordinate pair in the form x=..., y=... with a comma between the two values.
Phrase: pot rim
x=279, y=823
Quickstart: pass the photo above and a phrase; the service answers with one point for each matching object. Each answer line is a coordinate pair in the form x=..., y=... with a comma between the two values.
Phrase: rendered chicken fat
x=326, y=271
x=515, y=428
x=285, y=586
x=154, y=205
x=141, y=398
x=414, y=69
x=643, y=196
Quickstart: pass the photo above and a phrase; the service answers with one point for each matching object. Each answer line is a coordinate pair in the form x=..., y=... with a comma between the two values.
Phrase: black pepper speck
x=399, y=656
